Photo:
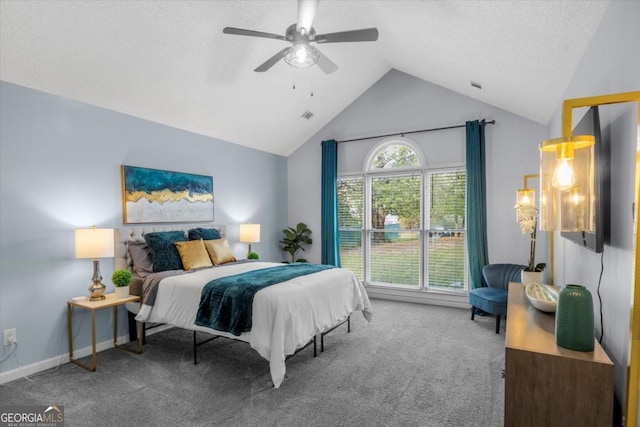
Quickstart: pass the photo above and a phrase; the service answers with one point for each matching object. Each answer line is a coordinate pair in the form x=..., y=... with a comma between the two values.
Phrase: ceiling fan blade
x=364, y=35
x=271, y=61
x=325, y=64
x=306, y=14
x=251, y=33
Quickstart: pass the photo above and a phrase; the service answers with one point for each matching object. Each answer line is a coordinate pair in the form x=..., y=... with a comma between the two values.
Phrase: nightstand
x=110, y=301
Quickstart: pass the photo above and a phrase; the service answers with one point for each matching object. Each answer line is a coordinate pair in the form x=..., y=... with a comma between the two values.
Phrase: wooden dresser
x=547, y=385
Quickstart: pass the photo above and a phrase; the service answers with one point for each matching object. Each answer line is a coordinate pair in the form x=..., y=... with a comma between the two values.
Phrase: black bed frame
x=133, y=335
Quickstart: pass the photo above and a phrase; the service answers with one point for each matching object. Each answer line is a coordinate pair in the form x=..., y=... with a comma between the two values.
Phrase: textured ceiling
x=169, y=62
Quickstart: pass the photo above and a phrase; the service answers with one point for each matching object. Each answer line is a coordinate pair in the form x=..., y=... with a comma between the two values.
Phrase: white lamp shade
x=249, y=233
x=94, y=243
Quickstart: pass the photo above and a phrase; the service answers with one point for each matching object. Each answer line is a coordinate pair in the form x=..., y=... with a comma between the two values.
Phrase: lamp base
x=96, y=291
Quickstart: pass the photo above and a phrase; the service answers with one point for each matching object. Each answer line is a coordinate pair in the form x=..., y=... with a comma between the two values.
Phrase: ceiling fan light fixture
x=300, y=34
x=302, y=55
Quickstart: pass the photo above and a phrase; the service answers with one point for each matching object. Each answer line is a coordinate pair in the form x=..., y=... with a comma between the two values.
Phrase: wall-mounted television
x=594, y=240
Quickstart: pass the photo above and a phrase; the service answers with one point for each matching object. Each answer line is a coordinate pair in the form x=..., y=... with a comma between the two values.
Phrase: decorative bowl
x=541, y=296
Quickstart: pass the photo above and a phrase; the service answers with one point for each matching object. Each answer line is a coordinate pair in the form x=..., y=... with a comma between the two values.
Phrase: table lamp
x=95, y=243
x=249, y=233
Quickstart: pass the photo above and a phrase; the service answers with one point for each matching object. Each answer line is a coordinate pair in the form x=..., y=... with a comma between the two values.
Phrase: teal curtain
x=476, y=203
x=329, y=206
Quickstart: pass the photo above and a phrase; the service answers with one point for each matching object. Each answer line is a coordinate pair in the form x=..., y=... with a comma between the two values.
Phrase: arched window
x=394, y=154
x=401, y=223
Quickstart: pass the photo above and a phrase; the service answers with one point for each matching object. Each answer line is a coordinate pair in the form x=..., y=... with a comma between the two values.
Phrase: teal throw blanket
x=226, y=303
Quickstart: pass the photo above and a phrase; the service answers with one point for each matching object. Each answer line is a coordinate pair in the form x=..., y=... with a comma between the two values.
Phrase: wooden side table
x=110, y=301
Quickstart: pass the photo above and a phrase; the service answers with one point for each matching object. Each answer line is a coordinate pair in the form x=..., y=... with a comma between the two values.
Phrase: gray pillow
x=164, y=253
x=141, y=257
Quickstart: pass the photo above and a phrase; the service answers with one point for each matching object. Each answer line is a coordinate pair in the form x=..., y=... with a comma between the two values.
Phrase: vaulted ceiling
x=169, y=62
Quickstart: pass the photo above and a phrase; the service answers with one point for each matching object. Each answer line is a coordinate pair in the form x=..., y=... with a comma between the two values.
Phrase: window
x=394, y=232
x=351, y=223
x=394, y=156
x=446, y=245
x=401, y=224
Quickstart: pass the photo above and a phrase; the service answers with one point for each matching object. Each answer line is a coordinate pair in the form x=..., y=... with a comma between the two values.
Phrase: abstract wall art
x=152, y=196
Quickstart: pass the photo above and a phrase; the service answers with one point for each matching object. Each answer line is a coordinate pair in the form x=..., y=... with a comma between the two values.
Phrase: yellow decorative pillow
x=219, y=251
x=193, y=254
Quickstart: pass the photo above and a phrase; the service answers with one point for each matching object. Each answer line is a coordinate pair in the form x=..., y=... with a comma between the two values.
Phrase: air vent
x=307, y=115
x=476, y=84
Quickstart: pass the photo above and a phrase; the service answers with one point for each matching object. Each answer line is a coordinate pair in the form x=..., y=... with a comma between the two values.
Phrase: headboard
x=136, y=234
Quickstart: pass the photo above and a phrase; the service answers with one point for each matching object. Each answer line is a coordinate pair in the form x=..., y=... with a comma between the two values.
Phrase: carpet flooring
x=413, y=365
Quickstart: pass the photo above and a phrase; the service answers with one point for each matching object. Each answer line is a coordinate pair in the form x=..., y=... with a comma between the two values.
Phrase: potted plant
x=121, y=279
x=294, y=239
x=253, y=255
x=527, y=216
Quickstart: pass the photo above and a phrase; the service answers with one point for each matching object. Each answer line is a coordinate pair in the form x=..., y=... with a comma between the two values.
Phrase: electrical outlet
x=9, y=336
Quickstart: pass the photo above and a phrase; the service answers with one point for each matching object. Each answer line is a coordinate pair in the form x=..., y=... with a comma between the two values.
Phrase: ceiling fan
x=301, y=54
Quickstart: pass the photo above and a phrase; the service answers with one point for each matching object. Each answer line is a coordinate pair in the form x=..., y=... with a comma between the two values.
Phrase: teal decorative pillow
x=164, y=254
x=204, y=234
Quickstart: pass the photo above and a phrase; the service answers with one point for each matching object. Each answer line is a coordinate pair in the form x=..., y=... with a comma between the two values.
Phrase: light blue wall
x=60, y=170
x=611, y=64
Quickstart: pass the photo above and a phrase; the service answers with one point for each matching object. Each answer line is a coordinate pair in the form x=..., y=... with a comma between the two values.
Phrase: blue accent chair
x=492, y=298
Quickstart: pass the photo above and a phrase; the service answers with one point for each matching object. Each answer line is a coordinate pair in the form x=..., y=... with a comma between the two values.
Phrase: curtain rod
x=491, y=122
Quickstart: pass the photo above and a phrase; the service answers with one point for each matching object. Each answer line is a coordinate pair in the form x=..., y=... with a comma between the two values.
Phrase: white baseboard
x=432, y=298
x=43, y=365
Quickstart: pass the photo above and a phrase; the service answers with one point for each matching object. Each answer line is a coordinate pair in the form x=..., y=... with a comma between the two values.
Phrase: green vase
x=574, y=319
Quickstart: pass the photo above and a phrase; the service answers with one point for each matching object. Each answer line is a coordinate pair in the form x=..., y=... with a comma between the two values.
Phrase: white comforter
x=285, y=316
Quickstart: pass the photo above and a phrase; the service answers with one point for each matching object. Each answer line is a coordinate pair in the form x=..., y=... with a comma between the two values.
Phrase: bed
x=286, y=316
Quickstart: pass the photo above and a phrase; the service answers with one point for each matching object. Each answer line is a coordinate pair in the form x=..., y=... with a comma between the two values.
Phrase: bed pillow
x=219, y=251
x=204, y=234
x=164, y=253
x=141, y=258
x=193, y=254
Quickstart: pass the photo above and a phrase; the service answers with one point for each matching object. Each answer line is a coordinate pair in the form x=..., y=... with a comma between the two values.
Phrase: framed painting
x=152, y=195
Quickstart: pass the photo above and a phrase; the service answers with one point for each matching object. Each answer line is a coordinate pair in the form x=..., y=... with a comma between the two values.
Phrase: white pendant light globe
x=302, y=56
